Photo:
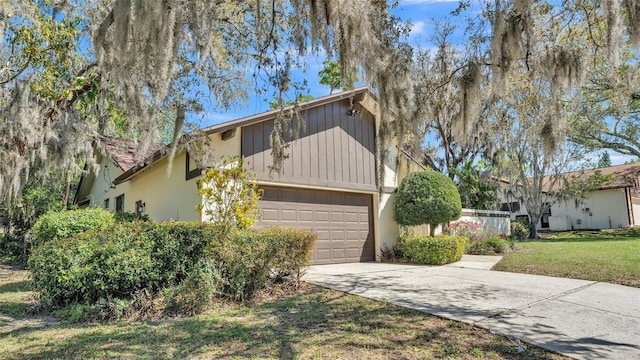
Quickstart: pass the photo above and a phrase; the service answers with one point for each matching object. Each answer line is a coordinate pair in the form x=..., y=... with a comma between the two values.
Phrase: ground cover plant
x=600, y=255
x=312, y=323
x=481, y=242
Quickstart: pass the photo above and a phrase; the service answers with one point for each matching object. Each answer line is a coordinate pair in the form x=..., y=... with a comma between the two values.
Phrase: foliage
x=432, y=250
x=248, y=261
x=488, y=245
x=604, y=160
x=476, y=189
x=126, y=216
x=332, y=75
x=519, y=231
x=230, y=195
x=426, y=197
x=127, y=258
x=438, y=85
x=19, y=216
x=469, y=229
x=57, y=225
x=195, y=293
x=281, y=103
x=480, y=242
x=56, y=94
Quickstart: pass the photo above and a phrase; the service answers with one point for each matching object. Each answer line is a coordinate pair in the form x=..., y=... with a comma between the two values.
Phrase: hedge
x=432, y=250
x=116, y=262
x=56, y=225
x=187, y=257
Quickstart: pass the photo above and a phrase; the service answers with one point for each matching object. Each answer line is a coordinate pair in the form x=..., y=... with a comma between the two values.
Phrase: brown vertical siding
x=334, y=149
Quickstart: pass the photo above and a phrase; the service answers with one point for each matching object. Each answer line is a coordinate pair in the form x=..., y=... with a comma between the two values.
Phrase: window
x=191, y=169
x=120, y=203
x=513, y=207
x=106, y=204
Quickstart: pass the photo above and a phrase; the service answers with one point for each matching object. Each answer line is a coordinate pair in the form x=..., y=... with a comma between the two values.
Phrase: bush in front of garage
x=431, y=250
x=181, y=265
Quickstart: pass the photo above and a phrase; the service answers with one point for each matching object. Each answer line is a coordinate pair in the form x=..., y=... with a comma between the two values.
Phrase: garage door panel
x=341, y=220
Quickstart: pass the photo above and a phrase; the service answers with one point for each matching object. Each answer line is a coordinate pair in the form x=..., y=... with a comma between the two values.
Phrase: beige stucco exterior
x=601, y=209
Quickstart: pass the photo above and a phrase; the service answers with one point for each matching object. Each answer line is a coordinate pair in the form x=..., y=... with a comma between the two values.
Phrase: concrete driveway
x=581, y=319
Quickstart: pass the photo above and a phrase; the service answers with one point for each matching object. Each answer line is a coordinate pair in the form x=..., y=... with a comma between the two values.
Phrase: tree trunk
x=533, y=228
x=432, y=229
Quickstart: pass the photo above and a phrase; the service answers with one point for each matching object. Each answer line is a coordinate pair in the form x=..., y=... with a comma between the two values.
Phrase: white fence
x=491, y=220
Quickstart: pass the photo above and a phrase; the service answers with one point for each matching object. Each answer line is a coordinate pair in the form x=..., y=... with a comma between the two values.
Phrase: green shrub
x=488, y=246
x=519, y=231
x=195, y=293
x=117, y=262
x=432, y=250
x=426, y=197
x=248, y=261
x=126, y=216
x=53, y=226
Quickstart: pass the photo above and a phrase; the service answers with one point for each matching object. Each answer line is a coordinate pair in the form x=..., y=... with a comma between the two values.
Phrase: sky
x=421, y=14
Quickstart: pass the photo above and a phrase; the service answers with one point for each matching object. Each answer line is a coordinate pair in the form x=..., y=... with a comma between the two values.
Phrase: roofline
x=268, y=115
x=246, y=121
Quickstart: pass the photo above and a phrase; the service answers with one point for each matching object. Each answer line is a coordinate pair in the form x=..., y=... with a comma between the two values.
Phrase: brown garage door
x=342, y=220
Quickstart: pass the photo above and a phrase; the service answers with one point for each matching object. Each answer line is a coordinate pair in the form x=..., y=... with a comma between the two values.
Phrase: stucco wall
x=387, y=230
x=636, y=211
x=167, y=196
x=595, y=211
x=602, y=205
x=102, y=187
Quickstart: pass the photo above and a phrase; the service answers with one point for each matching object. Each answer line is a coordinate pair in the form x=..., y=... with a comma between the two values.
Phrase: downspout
x=627, y=193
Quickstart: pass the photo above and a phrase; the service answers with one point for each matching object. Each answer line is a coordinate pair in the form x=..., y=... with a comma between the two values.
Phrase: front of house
x=329, y=182
x=614, y=205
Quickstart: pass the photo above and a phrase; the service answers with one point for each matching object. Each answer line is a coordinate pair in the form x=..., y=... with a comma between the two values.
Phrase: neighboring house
x=329, y=182
x=615, y=204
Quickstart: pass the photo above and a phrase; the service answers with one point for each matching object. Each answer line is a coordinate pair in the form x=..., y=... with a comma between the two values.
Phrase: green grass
x=314, y=324
x=607, y=255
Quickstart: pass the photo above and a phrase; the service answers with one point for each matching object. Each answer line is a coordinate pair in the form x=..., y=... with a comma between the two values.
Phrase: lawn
x=315, y=324
x=607, y=255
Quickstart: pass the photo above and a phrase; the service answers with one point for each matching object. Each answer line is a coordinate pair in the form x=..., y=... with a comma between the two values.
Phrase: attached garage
x=342, y=220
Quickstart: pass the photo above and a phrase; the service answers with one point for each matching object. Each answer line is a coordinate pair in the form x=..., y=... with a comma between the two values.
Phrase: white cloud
x=417, y=28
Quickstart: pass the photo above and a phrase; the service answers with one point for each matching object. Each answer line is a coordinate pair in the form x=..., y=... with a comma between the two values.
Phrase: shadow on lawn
x=329, y=323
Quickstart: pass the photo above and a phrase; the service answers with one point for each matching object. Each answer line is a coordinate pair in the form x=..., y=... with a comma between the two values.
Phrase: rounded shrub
x=129, y=257
x=426, y=197
x=432, y=250
x=56, y=225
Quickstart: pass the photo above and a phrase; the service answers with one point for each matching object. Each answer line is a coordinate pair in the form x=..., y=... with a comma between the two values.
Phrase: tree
x=173, y=56
x=333, y=76
x=605, y=160
x=154, y=58
x=535, y=174
x=426, y=197
x=438, y=88
x=230, y=196
x=477, y=190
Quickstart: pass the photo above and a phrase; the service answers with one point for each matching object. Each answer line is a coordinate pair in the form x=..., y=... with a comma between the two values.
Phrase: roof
x=625, y=175
x=126, y=153
x=254, y=119
x=249, y=120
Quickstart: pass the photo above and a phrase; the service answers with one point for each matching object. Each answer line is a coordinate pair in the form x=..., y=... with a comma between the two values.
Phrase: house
x=615, y=204
x=329, y=182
